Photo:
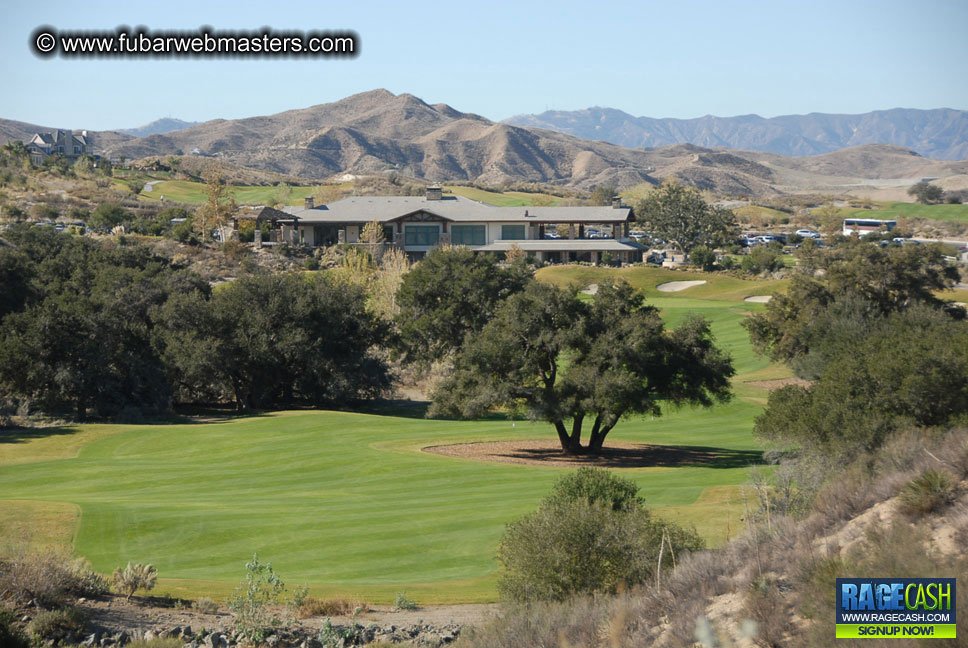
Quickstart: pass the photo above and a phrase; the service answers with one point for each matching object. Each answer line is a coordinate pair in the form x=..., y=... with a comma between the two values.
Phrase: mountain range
x=940, y=133
x=378, y=131
x=158, y=127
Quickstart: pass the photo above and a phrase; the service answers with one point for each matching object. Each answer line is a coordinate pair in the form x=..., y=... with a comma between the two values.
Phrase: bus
x=864, y=226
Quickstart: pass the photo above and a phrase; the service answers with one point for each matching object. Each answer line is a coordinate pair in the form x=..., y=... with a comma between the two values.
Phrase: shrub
x=331, y=636
x=761, y=259
x=930, y=491
x=311, y=607
x=87, y=582
x=135, y=577
x=205, y=605
x=10, y=635
x=254, y=598
x=572, y=547
x=46, y=578
x=403, y=603
x=595, y=485
x=65, y=624
x=703, y=257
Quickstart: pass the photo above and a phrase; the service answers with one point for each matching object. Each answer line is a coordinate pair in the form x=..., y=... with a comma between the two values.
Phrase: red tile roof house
x=419, y=223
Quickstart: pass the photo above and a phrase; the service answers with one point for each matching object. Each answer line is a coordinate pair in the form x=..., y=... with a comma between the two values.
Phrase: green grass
x=895, y=210
x=502, y=198
x=348, y=503
x=718, y=286
x=187, y=191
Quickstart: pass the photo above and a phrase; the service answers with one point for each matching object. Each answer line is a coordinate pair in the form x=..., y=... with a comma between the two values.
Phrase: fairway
x=348, y=503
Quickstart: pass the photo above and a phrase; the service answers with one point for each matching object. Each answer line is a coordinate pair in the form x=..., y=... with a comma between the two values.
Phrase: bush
x=595, y=485
x=10, y=635
x=703, y=257
x=760, y=260
x=135, y=577
x=930, y=491
x=579, y=546
x=254, y=598
x=65, y=624
x=205, y=605
x=310, y=607
x=47, y=578
x=403, y=603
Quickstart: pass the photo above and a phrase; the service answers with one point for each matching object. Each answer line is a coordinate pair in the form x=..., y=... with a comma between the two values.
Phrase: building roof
x=564, y=245
x=363, y=209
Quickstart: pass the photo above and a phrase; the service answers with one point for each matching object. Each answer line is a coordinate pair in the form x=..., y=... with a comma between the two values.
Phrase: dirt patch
x=613, y=455
x=776, y=384
x=676, y=286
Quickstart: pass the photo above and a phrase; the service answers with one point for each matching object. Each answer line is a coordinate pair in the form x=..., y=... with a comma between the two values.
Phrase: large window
x=427, y=235
x=468, y=234
x=512, y=233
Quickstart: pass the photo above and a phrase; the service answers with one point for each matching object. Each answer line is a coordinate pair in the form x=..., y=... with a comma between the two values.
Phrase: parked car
x=808, y=233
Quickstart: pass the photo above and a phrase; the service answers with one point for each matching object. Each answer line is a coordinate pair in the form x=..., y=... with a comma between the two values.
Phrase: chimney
x=309, y=202
x=435, y=192
x=617, y=202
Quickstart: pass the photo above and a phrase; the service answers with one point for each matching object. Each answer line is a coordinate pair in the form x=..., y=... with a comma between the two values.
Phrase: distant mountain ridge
x=158, y=127
x=941, y=133
x=379, y=132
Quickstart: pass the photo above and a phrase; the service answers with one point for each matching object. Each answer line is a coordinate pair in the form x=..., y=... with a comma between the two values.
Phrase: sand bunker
x=591, y=289
x=759, y=299
x=676, y=286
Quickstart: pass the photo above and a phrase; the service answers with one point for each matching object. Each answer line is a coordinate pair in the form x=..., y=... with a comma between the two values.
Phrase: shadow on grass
x=650, y=456
x=183, y=416
x=542, y=453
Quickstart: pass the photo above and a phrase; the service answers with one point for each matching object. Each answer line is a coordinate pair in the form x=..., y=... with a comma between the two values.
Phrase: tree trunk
x=598, y=439
x=562, y=435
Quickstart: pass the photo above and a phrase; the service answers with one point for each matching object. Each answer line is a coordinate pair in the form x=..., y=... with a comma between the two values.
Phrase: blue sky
x=500, y=58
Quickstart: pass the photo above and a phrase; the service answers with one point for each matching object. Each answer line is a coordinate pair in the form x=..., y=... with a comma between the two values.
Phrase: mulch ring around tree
x=613, y=455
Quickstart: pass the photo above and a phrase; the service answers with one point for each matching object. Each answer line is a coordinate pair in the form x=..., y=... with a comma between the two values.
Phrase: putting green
x=347, y=502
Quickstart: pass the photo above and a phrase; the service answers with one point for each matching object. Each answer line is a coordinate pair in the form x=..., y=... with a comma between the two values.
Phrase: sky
x=499, y=58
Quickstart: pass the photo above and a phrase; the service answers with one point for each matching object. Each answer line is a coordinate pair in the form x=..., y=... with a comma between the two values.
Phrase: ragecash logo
x=883, y=608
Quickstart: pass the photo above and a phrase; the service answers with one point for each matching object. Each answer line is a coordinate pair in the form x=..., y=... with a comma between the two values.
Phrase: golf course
x=349, y=503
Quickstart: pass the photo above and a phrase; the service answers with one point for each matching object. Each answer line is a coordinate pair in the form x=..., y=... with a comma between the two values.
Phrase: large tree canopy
x=853, y=282
x=566, y=361
x=680, y=215
x=269, y=340
x=909, y=367
x=451, y=292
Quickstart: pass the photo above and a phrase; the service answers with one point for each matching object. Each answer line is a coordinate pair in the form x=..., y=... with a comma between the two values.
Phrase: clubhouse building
x=417, y=224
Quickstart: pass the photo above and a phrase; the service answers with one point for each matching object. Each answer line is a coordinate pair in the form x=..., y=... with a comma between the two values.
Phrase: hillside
x=158, y=127
x=940, y=133
x=377, y=132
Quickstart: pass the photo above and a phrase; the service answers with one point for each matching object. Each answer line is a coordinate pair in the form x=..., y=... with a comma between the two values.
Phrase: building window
x=388, y=233
x=468, y=234
x=426, y=235
x=512, y=233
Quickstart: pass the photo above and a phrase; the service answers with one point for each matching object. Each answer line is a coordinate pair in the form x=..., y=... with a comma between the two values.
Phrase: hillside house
x=60, y=142
x=417, y=224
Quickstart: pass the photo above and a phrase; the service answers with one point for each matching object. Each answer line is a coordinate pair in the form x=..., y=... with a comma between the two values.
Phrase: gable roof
x=363, y=209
